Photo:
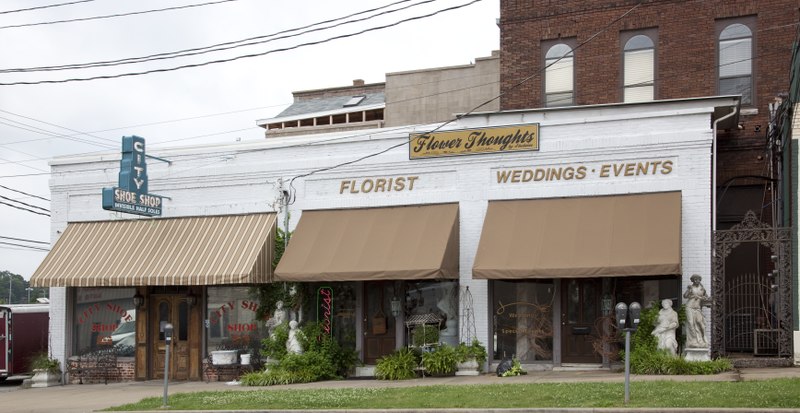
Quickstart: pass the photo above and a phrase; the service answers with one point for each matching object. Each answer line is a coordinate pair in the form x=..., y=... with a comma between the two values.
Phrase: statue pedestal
x=696, y=354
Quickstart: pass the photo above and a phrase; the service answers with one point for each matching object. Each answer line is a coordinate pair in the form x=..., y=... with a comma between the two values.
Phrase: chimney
x=358, y=82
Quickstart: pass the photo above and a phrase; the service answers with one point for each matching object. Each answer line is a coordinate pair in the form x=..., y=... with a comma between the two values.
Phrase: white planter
x=223, y=357
x=468, y=368
x=246, y=359
x=44, y=378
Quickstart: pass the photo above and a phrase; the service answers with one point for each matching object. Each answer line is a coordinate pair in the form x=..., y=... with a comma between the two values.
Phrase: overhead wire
x=25, y=240
x=24, y=209
x=280, y=35
x=24, y=193
x=246, y=56
x=110, y=16
x=48, y=6
x=25, y=204
x=14, y=244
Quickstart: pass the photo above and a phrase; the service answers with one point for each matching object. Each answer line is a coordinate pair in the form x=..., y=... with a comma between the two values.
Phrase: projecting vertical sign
x=131, y=196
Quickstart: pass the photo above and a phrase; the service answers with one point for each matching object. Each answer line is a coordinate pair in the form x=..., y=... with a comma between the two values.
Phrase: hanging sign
x=131, y=196
x=474, y=141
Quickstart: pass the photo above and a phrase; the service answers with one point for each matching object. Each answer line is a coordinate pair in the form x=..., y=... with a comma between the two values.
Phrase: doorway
x=580, y=303
x=378, y=324
x=176, y=310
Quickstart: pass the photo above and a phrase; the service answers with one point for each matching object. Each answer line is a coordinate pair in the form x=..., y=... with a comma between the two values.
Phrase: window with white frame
x=736, y=62
x=559, y=89
x=639, y=69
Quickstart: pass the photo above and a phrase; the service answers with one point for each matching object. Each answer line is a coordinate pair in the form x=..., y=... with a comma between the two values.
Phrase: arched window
x=735, y=62
x=559, y=80
x=639, y=69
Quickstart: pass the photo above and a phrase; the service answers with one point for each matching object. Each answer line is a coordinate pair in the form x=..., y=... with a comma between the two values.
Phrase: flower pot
x=223, y=357
x=246, y=359
x=45, y=378
x=468, y=368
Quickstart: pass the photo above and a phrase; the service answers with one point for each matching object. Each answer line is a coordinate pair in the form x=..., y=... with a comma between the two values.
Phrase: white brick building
x=622, y=156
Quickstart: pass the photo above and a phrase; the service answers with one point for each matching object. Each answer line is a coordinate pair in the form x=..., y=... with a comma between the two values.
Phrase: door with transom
x=176, y=310
x=580, y=310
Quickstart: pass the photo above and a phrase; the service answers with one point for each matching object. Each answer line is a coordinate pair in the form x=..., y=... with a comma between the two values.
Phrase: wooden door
x=379, y=324
x=175, y=310
x=580, y=309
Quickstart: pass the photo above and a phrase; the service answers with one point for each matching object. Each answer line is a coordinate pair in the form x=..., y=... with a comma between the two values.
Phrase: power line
x=109, y=16
x=247, y=56
x=24, y=193
x=25, y=204
x=223, y=46
x=25, y=240
x=45, y=7
x=24, y=209
x=23, y=246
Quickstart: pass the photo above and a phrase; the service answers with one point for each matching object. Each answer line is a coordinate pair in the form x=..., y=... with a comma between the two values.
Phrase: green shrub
x=424, y=335
x=646, y=358
x=43, y=362
x=322, y=359
x=474, y=350
x=441, y=361
x=399, y=365
x=515, y=370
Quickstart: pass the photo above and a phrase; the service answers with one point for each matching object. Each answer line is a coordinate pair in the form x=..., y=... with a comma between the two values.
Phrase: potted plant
x=47, y=371
x=470, y=358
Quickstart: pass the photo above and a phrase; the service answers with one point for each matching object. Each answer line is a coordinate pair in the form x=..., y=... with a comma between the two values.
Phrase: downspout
x=714, y=171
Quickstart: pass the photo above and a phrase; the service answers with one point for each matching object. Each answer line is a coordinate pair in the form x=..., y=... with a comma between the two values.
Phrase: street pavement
x=76, y=398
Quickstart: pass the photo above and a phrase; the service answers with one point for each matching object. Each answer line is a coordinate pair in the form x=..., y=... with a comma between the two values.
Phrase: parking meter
x=634, y=310
x=621, y=310
x=168, y=332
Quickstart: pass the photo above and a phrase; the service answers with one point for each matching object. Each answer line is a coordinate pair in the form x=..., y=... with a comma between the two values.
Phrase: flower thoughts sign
x=131, y=196
x=474, y=141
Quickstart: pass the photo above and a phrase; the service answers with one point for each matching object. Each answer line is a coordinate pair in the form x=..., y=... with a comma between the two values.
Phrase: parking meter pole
x=168, y=339
x=627, y=365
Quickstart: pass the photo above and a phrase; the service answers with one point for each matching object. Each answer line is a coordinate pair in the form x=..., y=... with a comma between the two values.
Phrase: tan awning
x=398, y=243
x=231, y=249
x=622, y=235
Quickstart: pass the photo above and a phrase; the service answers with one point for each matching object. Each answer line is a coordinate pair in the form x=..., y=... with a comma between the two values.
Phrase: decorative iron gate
x=752, y=312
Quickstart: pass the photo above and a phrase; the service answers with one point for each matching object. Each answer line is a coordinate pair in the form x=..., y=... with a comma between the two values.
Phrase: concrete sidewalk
x=91, y=397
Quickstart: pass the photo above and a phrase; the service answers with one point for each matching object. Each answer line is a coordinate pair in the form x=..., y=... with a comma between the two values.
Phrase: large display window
x=334, y=306
x=104, y=318
x=522, y=313
x=232, y=322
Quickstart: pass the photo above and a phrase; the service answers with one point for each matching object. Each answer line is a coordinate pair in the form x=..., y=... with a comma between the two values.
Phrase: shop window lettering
x=216, y=316
x=94, y=309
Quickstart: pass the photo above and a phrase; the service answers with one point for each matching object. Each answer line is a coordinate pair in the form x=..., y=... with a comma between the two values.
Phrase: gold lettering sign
x=474, y=141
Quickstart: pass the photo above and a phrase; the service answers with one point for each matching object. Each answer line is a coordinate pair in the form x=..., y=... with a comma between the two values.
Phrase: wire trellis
x=467, y=332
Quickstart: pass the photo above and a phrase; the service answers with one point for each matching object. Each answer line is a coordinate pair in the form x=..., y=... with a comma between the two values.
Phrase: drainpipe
x=714, y=171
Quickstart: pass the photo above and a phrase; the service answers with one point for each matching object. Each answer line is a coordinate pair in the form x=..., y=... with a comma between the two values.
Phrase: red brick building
x=577, y=52
x=687, y=48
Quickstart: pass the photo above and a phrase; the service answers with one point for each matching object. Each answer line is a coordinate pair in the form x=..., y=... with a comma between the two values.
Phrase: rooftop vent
x=354, y=101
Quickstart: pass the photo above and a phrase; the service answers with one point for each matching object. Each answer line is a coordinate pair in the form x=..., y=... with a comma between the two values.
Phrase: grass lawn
x=778, y=393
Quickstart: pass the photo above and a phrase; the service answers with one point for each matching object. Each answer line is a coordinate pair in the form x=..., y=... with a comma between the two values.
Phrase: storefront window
x=523, y=320
x=104, y=317
x=438, y=298
x=232, y=322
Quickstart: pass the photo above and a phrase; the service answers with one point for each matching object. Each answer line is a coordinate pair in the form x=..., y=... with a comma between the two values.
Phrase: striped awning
x=211, y=250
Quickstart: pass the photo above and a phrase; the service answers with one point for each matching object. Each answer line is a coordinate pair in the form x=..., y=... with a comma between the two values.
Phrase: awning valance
x=212, y=250
x=621, y=235
x=410, y=242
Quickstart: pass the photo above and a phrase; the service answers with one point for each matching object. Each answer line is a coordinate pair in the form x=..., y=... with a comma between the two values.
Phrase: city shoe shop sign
x=131, y=196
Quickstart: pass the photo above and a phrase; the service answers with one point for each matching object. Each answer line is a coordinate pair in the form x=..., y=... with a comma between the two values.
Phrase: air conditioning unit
x=766, y=342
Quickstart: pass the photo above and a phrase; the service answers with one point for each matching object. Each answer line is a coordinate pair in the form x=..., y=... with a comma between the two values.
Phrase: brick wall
x=686, y=58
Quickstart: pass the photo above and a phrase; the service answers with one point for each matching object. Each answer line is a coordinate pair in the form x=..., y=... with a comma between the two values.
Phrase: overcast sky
x=217, y=103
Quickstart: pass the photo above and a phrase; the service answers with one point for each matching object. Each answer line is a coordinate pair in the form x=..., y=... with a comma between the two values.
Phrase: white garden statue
x=293, y=345
x=666, y=324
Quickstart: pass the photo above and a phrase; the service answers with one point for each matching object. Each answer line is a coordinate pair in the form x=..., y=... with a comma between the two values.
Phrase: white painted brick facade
x=247, y=177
